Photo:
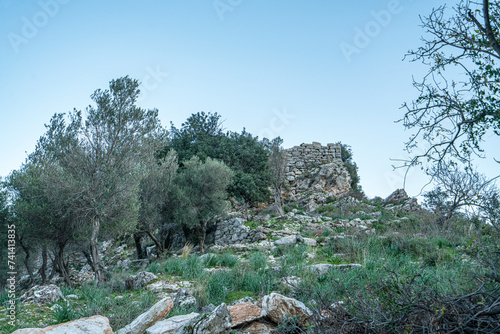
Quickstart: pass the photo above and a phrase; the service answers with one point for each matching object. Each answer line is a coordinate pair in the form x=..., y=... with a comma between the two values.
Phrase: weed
x=186, y=250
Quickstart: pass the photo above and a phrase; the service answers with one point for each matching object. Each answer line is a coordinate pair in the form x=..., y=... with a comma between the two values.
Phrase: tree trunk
x=94, y=251
x=159, y=247
x=54, y=268
x=89, y=259
x=43, y=269
x=62, y=266
x=278, y=201
x=26, y=260
x=138, y=246
x=201, y=236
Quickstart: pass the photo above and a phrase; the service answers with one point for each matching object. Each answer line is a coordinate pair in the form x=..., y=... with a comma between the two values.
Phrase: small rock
x=309, y=242
x=42, y=294
x=140, y=280
x=170, y=325
x=258, y=327
x=291, y=282
x=216, y=322
x=290, y=240
x=158, y=311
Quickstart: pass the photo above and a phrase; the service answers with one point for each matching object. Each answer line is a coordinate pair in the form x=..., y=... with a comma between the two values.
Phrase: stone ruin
x=316, y=168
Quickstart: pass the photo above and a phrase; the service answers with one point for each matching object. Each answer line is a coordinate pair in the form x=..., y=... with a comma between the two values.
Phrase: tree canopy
x=202, y=135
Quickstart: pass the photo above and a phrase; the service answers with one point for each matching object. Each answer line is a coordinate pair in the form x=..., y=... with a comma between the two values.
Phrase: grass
x=408, y=257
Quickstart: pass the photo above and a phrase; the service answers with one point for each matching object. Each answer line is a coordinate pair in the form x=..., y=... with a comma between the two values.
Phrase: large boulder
x=216, y=322
x=94, y=325
x=276, y=307
x=157, y=312
x=42, y=294
x=170, y=325
x=244, y=313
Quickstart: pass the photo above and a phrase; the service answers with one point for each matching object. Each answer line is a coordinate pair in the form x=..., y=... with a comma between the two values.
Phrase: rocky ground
x=159, y=296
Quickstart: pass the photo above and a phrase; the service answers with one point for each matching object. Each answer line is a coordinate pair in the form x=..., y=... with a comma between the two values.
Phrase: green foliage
x=258, y=261
x=200, y=194
x=351, y=167
x=154, y=267
x=201, y=135
x=218, y=286
x=64, y=312
x=289, y=325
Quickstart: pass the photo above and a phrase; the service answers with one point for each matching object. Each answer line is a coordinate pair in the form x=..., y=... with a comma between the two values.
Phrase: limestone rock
x=276, y=306
x=140, y=280
x=258, y=327
x=216, y=322
x=398, y=196
x=170, y=325
x=158, y=311
x=290, y=240
x=95, y=325
x=42, y=294
x=244, y=313
x=321, y=268
x=291, y=282
x=309, y=242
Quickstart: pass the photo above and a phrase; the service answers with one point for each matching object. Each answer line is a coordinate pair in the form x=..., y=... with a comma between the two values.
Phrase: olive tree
x=201, y=194
x=155, y=192
x=97, y=159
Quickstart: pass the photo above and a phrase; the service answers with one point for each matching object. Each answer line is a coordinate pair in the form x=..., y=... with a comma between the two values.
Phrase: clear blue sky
x=295, y=69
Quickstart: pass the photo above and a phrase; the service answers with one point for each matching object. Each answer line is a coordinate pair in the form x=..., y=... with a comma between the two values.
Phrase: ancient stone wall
x=315, y=168
x=306, y=156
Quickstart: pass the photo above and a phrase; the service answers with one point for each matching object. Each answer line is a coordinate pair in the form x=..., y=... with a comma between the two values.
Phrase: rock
x=244, y=313
x=398, y=196
x=276, y=307
x=309, y=242
x=188, y=302
x=321, y=268
x=290, y=240
x=291, y=282
x=42, y=294
x=140, y=280
x=216, y=322
x=170, y=325
x=208, y=308
x=95, y=325
x=258, y=327
x=158, y=311
x=181, y=296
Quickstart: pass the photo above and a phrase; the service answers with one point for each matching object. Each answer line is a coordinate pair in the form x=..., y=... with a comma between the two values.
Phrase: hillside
x=332, y=263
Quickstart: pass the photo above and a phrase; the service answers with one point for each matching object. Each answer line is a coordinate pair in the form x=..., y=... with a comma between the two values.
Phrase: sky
x=324, y=71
